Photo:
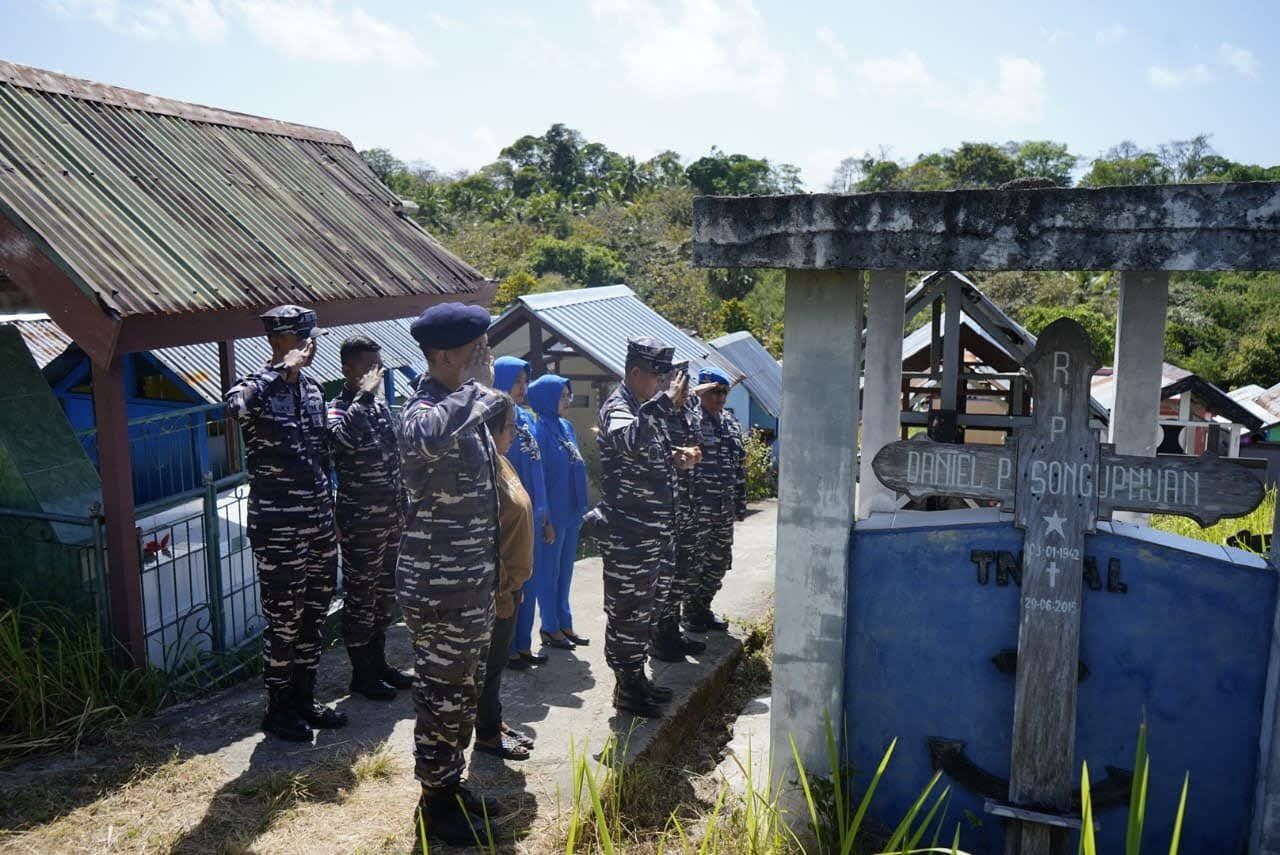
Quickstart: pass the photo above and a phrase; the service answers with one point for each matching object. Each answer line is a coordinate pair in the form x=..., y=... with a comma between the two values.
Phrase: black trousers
x=489, y=707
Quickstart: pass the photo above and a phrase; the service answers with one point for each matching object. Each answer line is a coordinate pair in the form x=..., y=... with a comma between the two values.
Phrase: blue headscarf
x=507, y=370
x=524, y=454
x=566, y=473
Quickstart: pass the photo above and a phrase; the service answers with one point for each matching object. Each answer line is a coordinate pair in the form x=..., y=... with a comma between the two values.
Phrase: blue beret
x=449, y=325
x=714, y=375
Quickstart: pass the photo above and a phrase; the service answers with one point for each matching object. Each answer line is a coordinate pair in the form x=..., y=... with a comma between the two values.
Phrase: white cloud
x=825, y=83
x=695, y=47
x=1055, y=35
x=903, y=70
x=315, y=30
x=1110, y=35
x=1173, y=78
x=167, y=20
x=827, y=38
x=1241, y=59
x=1018, y=96
x=444, y=22
x=320, y=31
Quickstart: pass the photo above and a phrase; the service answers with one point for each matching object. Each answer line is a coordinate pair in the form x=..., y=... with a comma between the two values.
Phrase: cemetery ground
x=201, y=777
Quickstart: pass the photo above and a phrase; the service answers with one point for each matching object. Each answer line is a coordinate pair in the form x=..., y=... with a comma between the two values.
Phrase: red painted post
x=114, y=466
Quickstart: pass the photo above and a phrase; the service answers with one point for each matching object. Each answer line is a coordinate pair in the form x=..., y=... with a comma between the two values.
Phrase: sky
x=451, y=83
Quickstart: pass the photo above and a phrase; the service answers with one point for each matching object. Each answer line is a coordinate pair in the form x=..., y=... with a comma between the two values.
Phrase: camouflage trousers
x=715, y=557
x=683, y=573
x=449, y=650
x=633, y=568
x=369, y=554
x=297, y=562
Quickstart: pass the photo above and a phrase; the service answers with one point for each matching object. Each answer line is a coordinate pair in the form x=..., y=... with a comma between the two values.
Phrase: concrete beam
x=815, y=511
x=1169, y=227
x=1138, y=364
x=881, y=384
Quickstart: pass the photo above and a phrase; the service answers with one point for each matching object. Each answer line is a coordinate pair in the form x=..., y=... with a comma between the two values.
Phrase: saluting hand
x=298, y=358
x=679, y=388
x=372, y=380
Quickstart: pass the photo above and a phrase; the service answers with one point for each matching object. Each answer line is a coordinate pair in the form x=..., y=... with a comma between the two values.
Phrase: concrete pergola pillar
x=1139, y=361
x=815, y=511
x=881, y=383
x=111, y=417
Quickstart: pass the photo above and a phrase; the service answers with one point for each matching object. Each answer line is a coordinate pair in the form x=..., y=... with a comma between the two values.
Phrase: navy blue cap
x=657, y=354
x=714, y=375
x=449, y=325
x=294, y=320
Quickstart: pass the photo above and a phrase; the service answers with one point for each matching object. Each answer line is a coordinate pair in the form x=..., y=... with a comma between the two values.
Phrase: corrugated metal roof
x=1103, y=384
x=197, y=364
x=763, y=373
x=598, y=322
x=43, y=337
x=156, y=207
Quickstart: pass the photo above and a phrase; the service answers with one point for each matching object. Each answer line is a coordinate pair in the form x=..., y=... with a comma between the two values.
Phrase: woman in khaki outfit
x=515, y=536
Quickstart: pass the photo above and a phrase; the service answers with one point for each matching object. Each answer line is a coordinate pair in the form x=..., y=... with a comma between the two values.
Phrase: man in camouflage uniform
x=281, y=413
x=639, y=487
x=667, y=642
x=370, y=516
x=720, y=497
x=447, y=574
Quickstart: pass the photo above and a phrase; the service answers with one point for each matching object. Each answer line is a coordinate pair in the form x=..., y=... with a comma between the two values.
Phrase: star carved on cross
x=1054, y=521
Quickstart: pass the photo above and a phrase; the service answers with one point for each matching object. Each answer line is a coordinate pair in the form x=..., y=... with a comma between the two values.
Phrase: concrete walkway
x=564, y=705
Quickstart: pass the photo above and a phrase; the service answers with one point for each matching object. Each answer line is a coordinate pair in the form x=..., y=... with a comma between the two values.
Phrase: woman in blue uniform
x=566, y=486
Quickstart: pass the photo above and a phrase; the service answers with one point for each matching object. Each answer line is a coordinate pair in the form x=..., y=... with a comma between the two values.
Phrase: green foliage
x=1258, y=521
x=579, y=262
x=720, y=174
x=513, y=288
x=59, y=685
x=734, y=316
x=762, y=481
x=567, y=212
x=1101, y=329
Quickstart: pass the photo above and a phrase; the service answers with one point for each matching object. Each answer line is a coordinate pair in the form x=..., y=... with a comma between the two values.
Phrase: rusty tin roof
x=158, y=207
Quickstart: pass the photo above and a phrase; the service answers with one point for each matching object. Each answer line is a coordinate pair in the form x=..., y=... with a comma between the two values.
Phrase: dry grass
x=352, y=799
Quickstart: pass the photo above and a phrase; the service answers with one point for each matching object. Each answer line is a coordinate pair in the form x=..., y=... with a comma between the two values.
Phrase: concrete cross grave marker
x=1059, y=480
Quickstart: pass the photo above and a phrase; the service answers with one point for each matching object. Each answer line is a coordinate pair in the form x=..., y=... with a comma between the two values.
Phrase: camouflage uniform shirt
x=366, y=455
x=640, y=485
x=286, y=444
x=720, y=485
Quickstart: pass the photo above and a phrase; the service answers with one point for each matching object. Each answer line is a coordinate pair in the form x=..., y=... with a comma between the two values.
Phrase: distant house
x=1264, y=404
x=582, y=334
x=1192, y=412
x=757, y=400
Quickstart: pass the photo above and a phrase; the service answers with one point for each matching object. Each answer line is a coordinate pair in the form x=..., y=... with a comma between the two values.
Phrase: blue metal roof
x=598, y=322
x=763, y=373
x=197, y=364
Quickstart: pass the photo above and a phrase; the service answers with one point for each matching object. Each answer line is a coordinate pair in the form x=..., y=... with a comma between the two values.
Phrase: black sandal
x=519, y=737
x=507, y=748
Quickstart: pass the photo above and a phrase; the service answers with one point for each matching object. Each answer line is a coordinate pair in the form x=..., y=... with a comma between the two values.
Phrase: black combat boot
x=365, y=676
x=445, y=818
x=660, y=694
x=480, y=806
x=629, y=695
x=664, y=643
x=691, y=646
x=393, y=677
x=304, y=689
x=282, y=718
x=702, y=619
